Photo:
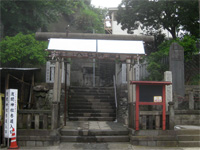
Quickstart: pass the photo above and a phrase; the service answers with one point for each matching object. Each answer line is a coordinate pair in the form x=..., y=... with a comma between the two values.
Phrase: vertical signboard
x=10, y=120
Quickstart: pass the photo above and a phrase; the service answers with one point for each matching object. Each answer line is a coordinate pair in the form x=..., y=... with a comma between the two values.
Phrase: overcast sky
x=106, y=3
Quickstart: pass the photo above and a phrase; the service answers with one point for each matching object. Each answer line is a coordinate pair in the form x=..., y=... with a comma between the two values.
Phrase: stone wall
x=187, y=117
x=43, y=98
x=32, y=138
x=122, y=101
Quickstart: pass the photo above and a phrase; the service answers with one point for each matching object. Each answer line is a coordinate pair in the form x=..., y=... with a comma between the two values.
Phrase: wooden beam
x=22, y=91
x=31, y=91
x=7, y=81
x=19, y=79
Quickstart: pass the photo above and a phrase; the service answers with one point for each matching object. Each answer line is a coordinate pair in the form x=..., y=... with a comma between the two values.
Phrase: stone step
x=154, y=132
x=93, y=111
x=155, y=143
x=94, y=138
x=153, y=138
x=89, y=93
x=167, y=143
x=92, y=114
x=188, y=137
x=91, y=107
x=91, y=88
x=91, y=118
x=70, y=132
x=187, y=132
x=91, y=100
x=168, y=138
x=91, y=103
x=189, y=143
x=90, y=96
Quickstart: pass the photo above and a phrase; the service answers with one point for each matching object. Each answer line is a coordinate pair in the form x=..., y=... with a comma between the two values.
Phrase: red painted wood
x=150, y=83
x=150, y=103
x=137, y=108
x=164, y=109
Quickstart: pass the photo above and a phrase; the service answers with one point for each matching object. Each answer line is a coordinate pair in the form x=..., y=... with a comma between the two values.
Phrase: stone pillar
x=168, y=89
x=176, y=102
x=131, y=94
x=131, y=113
x=171, y=116
x=129, y=78
x=124, y=76
x=176, y=66
x=191, y=101
x=55, y=118
x=68, y=74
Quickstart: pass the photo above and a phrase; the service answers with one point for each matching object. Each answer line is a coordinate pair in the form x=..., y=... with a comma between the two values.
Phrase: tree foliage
x=88, y=19
x=27, y=16
x=157, y=14
x=157, y=61
x=22, y=51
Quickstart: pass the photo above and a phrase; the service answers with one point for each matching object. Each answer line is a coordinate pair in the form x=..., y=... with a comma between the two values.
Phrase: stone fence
x=34, y=119
x=152, y=120
x=191, y=100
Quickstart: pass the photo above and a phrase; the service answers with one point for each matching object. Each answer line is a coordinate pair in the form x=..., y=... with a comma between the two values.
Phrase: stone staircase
x=94, y=131
x=188, y=138
x=91, y=104
x=168, y=138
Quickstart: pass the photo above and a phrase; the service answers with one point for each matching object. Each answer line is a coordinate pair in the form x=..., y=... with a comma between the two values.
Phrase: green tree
x=27, y=16
x=157, y=63
x=157, y=14
x=87, y=18
x=22, y=51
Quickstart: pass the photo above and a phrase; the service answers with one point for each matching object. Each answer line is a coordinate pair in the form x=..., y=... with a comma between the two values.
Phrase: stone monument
x=176, y=66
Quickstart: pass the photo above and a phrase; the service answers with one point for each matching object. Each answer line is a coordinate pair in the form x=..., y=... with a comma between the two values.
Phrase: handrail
x=115, y=91
x=114, y=84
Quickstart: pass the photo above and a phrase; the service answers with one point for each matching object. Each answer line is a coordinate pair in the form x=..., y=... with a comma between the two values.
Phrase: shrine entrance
x=90, y=68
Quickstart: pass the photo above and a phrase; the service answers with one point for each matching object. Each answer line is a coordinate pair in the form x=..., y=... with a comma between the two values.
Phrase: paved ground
x=94, y=125
x=100, y=125
x=101, y=146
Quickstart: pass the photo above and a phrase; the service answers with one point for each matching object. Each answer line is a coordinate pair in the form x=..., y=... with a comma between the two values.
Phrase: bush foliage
x=22, y=51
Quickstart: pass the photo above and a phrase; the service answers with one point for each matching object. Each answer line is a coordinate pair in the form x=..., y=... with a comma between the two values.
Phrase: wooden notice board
x=150, y=93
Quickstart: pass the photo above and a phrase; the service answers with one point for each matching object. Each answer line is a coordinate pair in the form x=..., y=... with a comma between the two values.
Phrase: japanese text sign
x=10, y=112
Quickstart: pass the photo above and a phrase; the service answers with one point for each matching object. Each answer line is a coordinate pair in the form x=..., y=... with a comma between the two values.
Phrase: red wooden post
x=137, y=113
x=164, y=109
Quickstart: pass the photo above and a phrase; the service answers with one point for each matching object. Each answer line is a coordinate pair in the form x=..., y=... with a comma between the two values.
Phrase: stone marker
x=168, y=89
x=176, y=66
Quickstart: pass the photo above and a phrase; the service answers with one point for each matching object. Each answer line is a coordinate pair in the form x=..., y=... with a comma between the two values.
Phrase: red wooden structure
x=147, y=102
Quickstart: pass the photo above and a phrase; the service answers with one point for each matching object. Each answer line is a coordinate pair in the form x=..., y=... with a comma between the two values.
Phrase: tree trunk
x=173, y=32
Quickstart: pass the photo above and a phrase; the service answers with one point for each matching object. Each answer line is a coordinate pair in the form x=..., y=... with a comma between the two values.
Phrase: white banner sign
x=10, y=120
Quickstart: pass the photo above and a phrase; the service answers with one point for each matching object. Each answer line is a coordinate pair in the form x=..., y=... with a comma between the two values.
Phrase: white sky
x=106, y=3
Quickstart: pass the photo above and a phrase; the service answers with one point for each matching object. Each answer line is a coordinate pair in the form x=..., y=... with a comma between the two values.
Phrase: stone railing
x=150, y=120
x=34, y=119
x=191, y=100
